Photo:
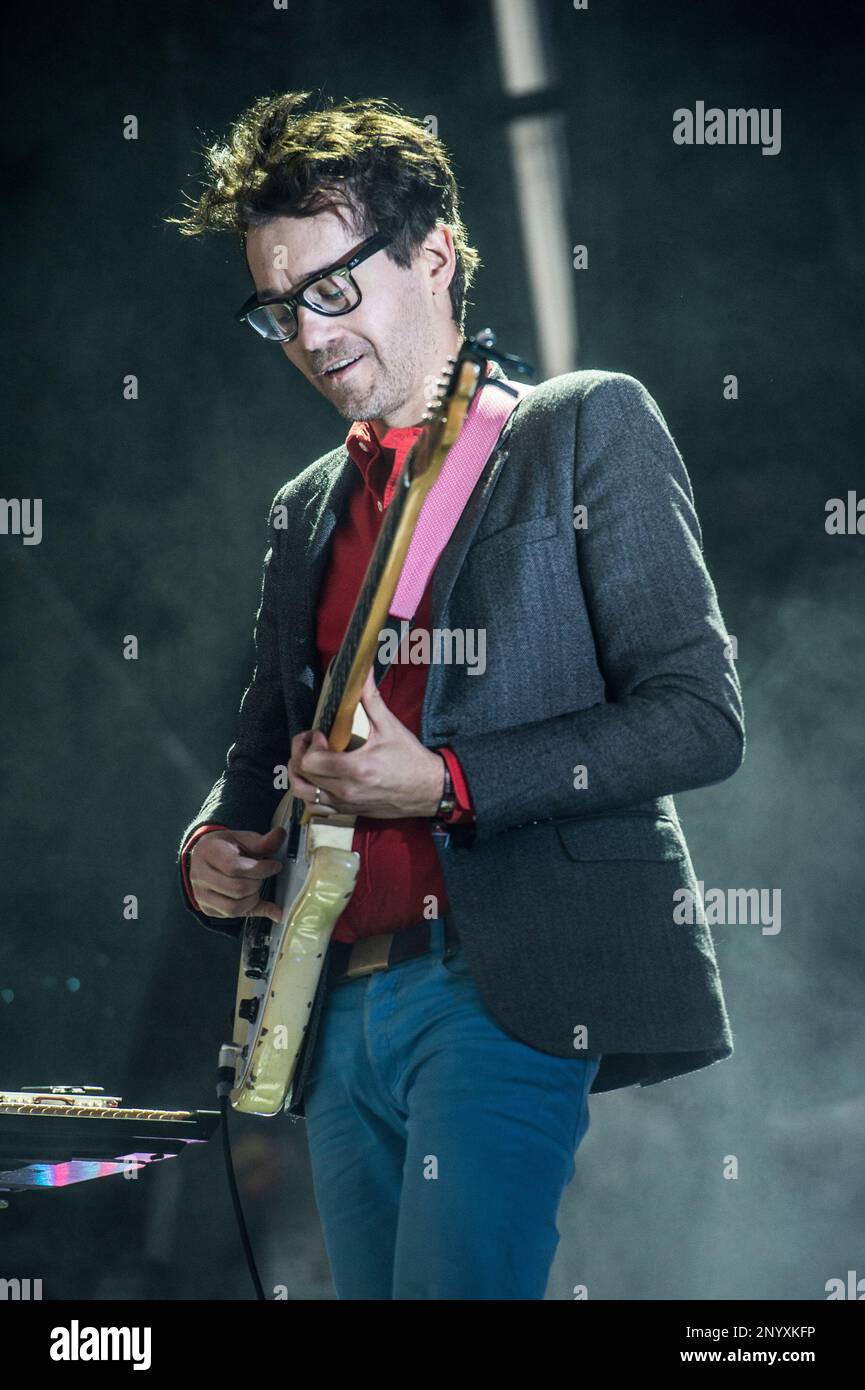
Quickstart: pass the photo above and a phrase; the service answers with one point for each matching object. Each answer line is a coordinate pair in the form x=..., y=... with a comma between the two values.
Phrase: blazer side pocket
x=621, y=837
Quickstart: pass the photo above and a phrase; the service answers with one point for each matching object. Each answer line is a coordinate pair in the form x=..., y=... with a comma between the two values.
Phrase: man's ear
x=438, y=248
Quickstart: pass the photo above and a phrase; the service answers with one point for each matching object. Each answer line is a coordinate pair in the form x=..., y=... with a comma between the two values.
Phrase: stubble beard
x=396, y=376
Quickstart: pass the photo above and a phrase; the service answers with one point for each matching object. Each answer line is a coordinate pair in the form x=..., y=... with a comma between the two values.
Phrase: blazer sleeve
x=244, y=796
x=673, y=718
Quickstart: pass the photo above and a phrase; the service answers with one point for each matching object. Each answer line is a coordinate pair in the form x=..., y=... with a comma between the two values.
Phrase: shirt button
x=380, y=506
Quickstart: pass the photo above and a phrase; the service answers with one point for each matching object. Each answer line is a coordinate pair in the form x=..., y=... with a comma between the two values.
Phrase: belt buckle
x=368, y=955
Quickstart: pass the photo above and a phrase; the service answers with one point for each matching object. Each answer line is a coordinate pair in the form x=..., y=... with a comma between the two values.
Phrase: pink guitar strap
x=486, y=418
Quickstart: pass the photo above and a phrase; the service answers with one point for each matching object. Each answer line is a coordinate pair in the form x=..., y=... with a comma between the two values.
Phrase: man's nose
x=317, y=332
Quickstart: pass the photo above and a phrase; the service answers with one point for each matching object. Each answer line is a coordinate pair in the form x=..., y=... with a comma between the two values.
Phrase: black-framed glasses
x=331, y=292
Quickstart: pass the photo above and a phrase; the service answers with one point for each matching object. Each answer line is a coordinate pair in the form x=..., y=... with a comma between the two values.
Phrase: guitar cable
x=224, y=1085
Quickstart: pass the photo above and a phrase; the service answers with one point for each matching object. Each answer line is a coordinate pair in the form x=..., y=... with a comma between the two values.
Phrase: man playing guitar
x=509, y=944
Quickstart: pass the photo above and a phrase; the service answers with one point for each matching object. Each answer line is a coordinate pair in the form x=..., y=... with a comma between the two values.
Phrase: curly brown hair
x=366, y=156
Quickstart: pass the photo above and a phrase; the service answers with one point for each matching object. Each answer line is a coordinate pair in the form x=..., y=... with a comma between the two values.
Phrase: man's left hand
x=390, y=776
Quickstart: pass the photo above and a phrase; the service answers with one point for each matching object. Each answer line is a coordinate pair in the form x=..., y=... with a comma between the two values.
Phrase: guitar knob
x=256, y=962
x=249, y=1009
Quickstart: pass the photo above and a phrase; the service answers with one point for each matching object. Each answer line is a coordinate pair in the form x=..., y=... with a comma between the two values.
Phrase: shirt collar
x=363, y=444
x=371, y=456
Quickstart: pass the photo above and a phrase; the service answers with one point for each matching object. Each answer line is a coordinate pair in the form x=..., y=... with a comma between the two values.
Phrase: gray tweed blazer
x=606, y=651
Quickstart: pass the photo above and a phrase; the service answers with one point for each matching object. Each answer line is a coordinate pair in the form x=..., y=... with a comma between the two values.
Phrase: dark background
x=703, y=262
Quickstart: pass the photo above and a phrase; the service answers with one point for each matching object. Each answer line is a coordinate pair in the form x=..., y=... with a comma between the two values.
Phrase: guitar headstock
x=453, y=394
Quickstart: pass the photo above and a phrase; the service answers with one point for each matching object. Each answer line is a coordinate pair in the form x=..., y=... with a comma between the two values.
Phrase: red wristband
x=463, y=811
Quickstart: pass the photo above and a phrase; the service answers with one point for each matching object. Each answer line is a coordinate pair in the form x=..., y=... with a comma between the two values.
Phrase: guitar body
x=280, y=964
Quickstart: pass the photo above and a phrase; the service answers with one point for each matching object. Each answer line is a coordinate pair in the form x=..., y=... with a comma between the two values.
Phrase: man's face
x=393, y=332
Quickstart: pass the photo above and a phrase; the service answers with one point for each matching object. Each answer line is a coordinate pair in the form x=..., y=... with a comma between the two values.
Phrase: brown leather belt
x=349, y=960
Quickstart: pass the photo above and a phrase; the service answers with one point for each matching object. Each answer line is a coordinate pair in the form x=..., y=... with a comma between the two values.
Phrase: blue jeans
x=440, y=1144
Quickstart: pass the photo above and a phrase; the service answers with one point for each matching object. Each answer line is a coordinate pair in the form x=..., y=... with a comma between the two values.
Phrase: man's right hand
x=227, y=868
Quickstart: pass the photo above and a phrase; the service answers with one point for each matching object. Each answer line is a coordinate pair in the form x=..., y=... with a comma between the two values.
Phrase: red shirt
x=399, y=867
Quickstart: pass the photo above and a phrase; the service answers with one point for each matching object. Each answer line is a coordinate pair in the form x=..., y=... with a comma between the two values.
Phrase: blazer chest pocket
x=536, y=528
x=621, y=837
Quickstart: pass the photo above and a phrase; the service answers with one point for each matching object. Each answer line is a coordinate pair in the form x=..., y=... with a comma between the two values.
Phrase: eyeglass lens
x=335, y=294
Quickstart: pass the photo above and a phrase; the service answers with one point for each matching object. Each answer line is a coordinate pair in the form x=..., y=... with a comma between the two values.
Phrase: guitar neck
x=446, y=415
x=358, y=647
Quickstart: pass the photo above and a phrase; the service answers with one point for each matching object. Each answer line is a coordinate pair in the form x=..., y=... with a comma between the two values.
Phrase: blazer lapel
x=321, y=515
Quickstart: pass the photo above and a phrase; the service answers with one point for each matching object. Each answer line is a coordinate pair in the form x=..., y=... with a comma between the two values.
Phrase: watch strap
x=447, y=804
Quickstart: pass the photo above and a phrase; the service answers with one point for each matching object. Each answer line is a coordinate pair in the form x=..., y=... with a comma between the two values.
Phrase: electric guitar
x=281, y=963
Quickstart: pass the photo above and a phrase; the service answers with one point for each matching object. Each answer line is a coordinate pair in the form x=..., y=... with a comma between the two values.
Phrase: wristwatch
x=448, y=803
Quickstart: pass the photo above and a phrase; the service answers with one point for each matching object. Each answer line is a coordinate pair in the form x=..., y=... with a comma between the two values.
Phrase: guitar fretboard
x=344, y=658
